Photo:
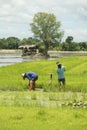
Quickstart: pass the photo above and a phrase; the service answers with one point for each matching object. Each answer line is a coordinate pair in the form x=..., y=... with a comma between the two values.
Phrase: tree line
x=47, y=34
x=67, y=45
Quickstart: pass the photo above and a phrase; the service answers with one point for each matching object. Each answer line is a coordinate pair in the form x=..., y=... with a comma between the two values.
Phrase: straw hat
x=58, y=63
x=23, y=74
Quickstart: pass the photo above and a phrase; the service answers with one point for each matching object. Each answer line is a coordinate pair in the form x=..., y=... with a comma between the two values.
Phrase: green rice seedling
x=53, y=96
x=11, y=79
x=25, y=118
x=33, y=96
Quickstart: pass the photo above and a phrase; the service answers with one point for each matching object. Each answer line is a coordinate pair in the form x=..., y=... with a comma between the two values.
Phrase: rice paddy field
x=47, y=107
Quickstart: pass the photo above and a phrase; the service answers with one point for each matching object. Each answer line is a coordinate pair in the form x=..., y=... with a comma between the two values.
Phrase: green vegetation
x=47, y=35
x=43, y=99
x=25, y=118
x=47, y=29
x=11, y=79
x=47, y=107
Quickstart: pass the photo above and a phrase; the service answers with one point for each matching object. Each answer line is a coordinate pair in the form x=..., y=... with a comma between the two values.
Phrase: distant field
x=67, y=53
x=6, y=51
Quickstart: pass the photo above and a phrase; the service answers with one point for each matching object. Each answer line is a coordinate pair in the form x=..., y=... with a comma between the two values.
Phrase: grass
x=24, y=110
x=43, y=99
x=25, y=118
x=76, y=73
x=46, y=108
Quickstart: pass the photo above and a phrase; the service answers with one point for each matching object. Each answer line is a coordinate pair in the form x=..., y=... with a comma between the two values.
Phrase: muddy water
x=8, y=59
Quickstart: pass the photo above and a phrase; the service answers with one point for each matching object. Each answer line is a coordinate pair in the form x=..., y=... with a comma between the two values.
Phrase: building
x=28, y=50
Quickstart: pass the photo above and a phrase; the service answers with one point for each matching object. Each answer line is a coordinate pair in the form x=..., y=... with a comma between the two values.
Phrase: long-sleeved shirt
x=31, y=75
x=60, y=72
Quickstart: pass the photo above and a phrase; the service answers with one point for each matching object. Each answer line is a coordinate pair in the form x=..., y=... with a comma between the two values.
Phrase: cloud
x=16, y=15
x=78, y=34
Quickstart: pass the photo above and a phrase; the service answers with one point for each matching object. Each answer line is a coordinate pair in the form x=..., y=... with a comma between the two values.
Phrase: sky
x=16, y=16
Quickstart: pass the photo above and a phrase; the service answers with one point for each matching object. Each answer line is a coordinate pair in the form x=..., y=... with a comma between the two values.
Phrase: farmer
x=32, y=77
x=60, y=71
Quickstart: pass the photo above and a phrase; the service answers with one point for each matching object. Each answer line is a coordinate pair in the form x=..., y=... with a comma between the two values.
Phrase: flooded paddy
x=8, y=59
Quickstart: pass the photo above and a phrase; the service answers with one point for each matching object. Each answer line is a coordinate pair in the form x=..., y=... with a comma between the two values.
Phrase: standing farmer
x=32, y=77
x=60, y=71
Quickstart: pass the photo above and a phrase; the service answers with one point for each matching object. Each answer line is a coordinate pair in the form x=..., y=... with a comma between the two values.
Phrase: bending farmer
x=32, y=77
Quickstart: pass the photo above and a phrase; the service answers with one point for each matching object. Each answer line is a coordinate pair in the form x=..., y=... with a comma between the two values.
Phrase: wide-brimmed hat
x=23, y=74
x=58, y=63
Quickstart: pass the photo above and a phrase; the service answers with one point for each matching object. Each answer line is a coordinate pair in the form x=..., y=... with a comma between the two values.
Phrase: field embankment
x=53, y=54
x=9, y=51
x=67, y=53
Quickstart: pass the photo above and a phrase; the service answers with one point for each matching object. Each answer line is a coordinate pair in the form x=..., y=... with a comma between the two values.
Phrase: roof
x=27, y=46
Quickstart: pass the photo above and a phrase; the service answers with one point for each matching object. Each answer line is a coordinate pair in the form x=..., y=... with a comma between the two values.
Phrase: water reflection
x=8, y=59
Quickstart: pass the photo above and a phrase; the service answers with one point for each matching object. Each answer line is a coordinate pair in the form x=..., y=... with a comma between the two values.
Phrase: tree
x=46, y=29
x=29, y=41
x=3, y=43
x=69, y=39
x=25, y=41
x=69, y=45
x=83, y=46
x=13, y=42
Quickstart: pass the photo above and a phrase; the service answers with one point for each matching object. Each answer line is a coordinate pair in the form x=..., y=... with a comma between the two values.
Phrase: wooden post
x=50, y=82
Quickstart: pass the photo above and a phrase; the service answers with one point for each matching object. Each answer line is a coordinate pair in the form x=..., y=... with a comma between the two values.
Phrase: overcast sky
x=16, y=16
